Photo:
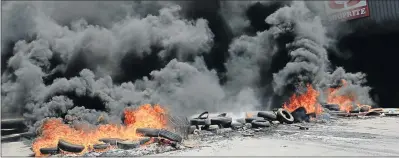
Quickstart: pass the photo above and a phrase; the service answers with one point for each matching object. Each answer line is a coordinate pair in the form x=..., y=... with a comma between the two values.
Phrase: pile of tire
x=262, y=119
x=64, y=145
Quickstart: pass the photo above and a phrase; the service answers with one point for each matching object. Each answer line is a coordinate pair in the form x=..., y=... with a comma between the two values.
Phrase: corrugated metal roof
x=383, y=13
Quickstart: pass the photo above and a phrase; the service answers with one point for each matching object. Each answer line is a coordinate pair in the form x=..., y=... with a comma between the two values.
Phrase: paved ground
x=345, y=137
x=349, y=137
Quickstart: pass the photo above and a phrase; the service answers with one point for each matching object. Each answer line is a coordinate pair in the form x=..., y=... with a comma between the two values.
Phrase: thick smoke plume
x=309, y=59
x=85, y=60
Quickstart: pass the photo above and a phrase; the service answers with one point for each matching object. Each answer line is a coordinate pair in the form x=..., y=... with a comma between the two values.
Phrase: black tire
x=300, y=115
x=373, y=113
x=222, y=115
x=100, y=146
x=332, y=107
x=191, y=129
x=111, y=141
x=69, y=147
x=201, y=116
x=260, y=123
x=250, y=119
x=267, y=115
x=51, y=151
x=236, y=125
x=364, y=109
x=197, y=121
x=170, y=135
x=212, y=128
x=144, y=140
x=222, y=122
x=148, y=132
x=128, y=145
x=285, y=116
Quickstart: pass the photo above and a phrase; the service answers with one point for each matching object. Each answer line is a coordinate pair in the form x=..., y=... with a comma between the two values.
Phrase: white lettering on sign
x=346, y=9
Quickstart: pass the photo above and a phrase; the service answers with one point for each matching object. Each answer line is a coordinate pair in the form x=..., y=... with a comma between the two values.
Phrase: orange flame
x=307, y=100
x=346, y=102
x=248, y=115
x=145, y=116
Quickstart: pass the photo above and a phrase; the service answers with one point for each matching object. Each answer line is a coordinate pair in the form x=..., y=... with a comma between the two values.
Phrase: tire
x=364, y=109
x=191, y=129
x=236, y=125
x=250, y=119
x=128, y=145
x=267, y=115
x=100, y=146
x=197, y=121
x=260, y=123
x=69, y=147
x=144, y=140
x=50, y=151
x=285, y=116
x=222, y=115
x=148, y=132
x=300, y=115
x=111, y=141
x=201, y=116
x=212, y=128
x=373, y=113
x=331, y=107
x=170, y=135
x=222, y=122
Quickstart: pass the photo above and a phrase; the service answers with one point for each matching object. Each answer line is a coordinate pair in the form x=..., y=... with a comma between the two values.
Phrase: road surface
x=345, y=137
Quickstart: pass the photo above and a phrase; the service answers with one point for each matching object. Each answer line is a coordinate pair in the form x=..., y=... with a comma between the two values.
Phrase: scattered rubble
x=206, y=128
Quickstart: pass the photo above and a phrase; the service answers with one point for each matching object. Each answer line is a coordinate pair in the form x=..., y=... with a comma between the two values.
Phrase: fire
x=346, y=102
x=145, y=116
x=307, y=100
x=248, y=115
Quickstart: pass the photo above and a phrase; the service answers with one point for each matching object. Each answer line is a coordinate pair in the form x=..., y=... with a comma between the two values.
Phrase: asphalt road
x=344, y=137
x=347, y=137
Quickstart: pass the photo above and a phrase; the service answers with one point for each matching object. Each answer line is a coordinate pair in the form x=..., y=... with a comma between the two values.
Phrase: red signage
x=346, y=9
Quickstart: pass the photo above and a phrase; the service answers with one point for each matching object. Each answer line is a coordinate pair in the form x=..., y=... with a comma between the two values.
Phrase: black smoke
x=374, y=53
x=190, y=56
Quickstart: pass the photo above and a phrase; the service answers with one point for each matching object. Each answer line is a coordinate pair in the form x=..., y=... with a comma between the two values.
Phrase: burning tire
x=69, y=147
x=332, y=107
x=364, y=108
x=111, y=141
x=128, y=145
x=260, y=123
x=144, y=140
x=267, y=115
x=100, y=146
x=285, y=116
x=250, y=119
x=300, y=115
x=148, y=132
x=51, y=151
x=222, y=122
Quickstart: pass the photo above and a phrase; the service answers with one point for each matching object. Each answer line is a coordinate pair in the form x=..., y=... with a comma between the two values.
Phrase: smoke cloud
x=68, y=59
